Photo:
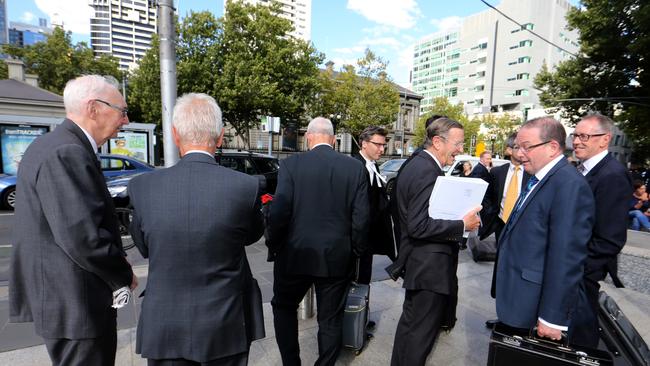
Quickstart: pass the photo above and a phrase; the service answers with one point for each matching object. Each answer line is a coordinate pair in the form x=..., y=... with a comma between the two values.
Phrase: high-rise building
x=123, y=29
x=489, y=62
x=23, y=34
x=296, y=11
x=4, y=33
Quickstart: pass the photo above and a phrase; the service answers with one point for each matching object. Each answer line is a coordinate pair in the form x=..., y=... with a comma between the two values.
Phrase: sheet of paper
x=453, y=197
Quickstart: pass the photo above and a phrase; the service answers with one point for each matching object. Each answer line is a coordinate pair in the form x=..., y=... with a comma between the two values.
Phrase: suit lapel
x=501, y=184
x=594, y=171
x=75, y=130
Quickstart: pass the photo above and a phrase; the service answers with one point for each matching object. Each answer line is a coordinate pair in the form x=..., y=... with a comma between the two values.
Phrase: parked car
x=264, y=167
x=112, y=166
x=457, y=167
x=389, y=171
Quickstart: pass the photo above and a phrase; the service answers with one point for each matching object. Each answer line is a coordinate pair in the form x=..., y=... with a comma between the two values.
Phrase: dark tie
x=581, y=168
x=531, y=183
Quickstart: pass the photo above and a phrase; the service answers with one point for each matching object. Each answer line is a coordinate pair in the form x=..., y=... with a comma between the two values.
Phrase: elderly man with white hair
x=318, y=225
x=67, y=256
x=193, y=220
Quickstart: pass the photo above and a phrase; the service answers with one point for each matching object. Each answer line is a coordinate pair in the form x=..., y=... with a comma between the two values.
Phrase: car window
x=232, y=162
x=115, y=164
x=266, y=165
x=248, y=167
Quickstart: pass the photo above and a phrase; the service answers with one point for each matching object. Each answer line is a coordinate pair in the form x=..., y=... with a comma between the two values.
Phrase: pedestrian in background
x=202, y=305
x=67, y=260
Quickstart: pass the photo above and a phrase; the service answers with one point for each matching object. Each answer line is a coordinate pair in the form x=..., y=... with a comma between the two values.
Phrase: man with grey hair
x=428, y=256
x=543, y=246
x=193, y=221
x=318, y=226
x=67, y=257
x=611, y=186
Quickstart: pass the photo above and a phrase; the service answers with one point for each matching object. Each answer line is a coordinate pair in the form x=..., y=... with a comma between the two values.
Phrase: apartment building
x=296, y=11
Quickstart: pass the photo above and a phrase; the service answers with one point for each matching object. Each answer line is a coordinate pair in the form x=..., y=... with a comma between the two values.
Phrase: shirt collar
x=200, y=152
x=547, y=168
x=90, y=139
x=368, y=161
x=322, y=143
x=592, y=161
x=434, y=158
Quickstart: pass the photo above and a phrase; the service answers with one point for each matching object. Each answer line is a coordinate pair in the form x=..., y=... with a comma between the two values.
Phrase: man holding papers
x=429, y=247
x=544, y=243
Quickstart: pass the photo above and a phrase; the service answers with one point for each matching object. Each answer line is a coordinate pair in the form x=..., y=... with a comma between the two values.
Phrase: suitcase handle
x=564, y=341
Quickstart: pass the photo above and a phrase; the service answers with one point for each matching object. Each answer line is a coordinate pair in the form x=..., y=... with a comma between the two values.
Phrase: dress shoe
x=491, y=323
x=370, y=326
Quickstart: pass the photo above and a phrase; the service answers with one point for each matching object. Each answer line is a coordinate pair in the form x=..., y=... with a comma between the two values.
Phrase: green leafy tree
x=498, y=130
x=612, y=73
x=358, y=96
x=143, y=95
x=261, y=69
x=57, y=60
x=442, y=107
x=4, y=72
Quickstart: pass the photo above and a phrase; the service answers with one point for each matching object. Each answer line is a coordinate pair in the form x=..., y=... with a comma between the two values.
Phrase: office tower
x=297, y=11
x=123, y=29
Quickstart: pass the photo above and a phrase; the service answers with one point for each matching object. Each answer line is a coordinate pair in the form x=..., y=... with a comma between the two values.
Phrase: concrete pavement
x=466, y=344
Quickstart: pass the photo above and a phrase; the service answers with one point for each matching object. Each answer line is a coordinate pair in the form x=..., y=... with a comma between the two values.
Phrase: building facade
x=296, y=11
x=4, y=31
x=123, y=29
x=489, y=62
x=23, y=34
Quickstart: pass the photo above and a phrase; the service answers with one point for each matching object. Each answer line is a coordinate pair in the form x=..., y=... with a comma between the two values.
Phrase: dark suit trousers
x=583, y=330
x=418, y=327
x=81, y=352
x=240, y=359
x=288, y=291
x=365, y=269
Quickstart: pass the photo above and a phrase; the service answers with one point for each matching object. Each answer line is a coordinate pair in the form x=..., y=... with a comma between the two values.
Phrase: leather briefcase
x=511, y=346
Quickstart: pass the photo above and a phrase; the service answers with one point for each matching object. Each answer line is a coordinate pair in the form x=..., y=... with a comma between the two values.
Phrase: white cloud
x=447, y=24
x=400, y=14
x=340, y=61
x=349, y=50
x=383, y=41
x=75, y=14
x=27, y=17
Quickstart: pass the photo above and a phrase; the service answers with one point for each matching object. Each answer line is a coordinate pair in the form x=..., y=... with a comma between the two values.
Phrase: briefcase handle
x=564, y=341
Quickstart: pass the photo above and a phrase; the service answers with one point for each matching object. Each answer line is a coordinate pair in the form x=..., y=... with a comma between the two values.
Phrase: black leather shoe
x=491, y=323
x=370, y=326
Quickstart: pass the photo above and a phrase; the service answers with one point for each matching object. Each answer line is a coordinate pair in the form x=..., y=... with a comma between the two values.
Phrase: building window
x=524, y=59
x=480, y=74
x=523, y=76
x=521, y=92
x=526, y=43
x=479, y=88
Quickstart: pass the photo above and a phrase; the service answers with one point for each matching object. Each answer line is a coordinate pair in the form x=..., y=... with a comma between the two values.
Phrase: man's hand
x=471, y=219
x=134, y=282
x=548, y=332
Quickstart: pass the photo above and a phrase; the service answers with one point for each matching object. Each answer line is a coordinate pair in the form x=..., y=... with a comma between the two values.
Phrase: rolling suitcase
x=619, y=335
x=512, y=347
x=355, y=315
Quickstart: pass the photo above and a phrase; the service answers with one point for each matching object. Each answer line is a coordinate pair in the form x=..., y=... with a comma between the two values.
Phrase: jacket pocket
x=532, y=276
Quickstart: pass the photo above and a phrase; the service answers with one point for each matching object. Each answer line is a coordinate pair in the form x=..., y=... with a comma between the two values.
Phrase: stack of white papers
x=453, y=197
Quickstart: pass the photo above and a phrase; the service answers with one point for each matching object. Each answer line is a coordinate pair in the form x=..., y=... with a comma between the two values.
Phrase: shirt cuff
x=554, y=326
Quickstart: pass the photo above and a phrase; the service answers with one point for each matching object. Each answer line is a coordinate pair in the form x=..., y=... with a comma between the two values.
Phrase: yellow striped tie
x=511, y=194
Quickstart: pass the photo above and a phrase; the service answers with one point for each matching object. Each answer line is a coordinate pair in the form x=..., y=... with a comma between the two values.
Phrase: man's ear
x=220, y=138
x=177, y=139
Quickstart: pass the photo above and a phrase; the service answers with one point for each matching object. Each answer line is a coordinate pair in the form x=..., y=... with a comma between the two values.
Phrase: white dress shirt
x=592, y=161
x=372, y=170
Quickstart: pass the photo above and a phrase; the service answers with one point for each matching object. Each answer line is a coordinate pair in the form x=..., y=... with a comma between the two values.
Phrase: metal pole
x=167, y=76
x=270, y=142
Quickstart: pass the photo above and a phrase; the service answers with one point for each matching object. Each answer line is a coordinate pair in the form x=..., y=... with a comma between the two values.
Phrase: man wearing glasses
x=611, y=187
x=68, y=260
x=544, y=243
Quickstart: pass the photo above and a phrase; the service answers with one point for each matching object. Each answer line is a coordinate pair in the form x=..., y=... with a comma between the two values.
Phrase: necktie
x=581, y=168
x=511, y=194
x=531, y=183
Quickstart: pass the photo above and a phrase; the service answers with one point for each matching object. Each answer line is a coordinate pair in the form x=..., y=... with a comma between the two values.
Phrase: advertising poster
x=132, y=144
x=14, y=140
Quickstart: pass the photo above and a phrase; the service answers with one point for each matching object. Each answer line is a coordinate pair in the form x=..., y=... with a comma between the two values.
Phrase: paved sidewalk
x=467, y=344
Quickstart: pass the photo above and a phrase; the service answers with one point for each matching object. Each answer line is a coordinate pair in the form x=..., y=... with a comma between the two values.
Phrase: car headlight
x=116, y=190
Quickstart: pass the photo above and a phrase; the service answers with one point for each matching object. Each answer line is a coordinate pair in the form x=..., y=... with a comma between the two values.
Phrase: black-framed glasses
x=456, y=145
x=526, y=149
x=124, y=111
x=378, y=144
x=584, y=137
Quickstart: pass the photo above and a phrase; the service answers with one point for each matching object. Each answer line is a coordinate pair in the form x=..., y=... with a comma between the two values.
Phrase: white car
x=457, y=167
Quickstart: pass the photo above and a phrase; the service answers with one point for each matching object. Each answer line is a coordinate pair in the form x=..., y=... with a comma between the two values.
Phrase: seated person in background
x=639, y=207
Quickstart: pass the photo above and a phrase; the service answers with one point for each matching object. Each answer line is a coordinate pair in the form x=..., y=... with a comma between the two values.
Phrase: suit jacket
x=193, y=221
x=319, y=215
x=611, y=187
x=480, y=171
x=492, y=223
x=381, y=239
x=67, y=257
x=542, y=250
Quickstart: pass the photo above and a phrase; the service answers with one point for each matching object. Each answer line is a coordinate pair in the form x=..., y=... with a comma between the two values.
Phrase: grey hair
x=320, y=125
x=440, y=127
x=197, y=119
x=605, y=123
x=550, y=129
x=80, y=90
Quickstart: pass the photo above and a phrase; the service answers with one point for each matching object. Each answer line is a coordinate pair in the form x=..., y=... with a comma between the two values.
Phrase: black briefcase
x=513, y=347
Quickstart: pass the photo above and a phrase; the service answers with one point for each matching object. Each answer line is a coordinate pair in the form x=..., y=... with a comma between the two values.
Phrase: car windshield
x=392, y=165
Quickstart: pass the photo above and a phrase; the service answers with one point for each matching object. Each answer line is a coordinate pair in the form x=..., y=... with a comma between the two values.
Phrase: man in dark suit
x=508, y=181
x=611, y=187
x=192, y=221
x=319, y=225
x=544, y=243
x=482, y=169
x=428, y=256
x=67, y=257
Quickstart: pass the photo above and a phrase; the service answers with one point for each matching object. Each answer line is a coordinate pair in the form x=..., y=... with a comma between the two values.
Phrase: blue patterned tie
x=531, y=183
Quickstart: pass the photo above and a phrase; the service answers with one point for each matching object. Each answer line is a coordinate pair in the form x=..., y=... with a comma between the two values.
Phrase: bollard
x=306, y=306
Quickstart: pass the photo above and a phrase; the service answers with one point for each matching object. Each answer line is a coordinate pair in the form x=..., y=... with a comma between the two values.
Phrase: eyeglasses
x=378, y=144
x=124, y=111
x=584, y=137
x=526, y=149
x=456, y=145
